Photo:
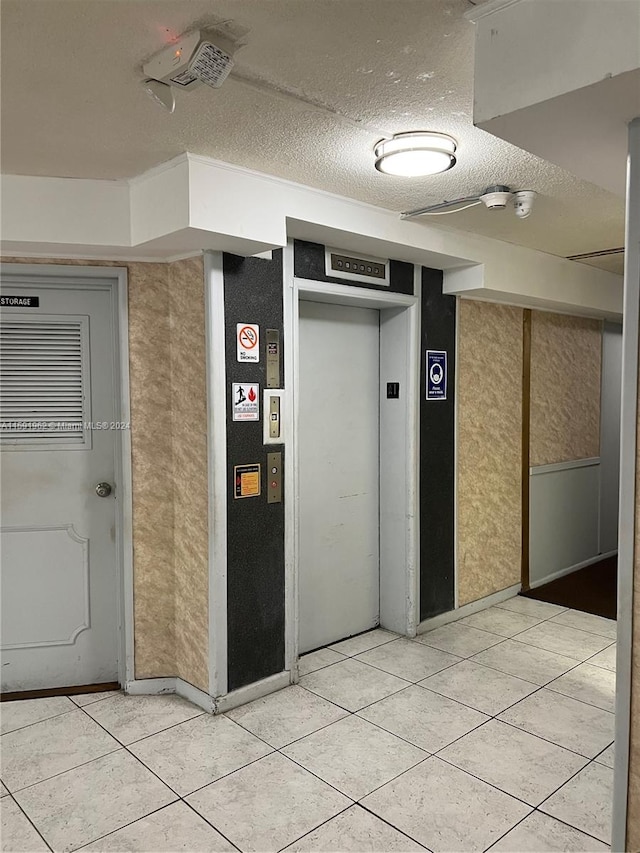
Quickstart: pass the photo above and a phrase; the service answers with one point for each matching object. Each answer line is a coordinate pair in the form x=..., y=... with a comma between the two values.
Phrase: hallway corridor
x=493, y=732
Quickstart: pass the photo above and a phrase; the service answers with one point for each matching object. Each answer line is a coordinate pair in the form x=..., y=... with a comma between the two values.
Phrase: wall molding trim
x=488, y=8
x=150, y=686
x=253, y=691
x=468, y=609
x=582, y=565
x=536, y=470
x=172, y=684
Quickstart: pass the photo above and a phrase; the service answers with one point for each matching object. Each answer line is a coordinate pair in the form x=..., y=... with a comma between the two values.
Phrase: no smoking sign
x=248, y=340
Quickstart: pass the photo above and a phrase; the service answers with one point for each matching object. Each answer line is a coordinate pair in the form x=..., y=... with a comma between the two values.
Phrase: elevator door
x=338, y=434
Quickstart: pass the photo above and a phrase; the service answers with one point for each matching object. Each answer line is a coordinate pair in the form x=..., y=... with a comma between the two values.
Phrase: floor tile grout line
x=124, y=826
x=540, y=622
x=554, y=619
x=365, y=663
x=36, y=722
x=392, y=825
x=552, y=651
x=552, y=817
x=404, y=677
x=315, y=828
x=552, y=742
x=348, y=713
x=183, y=796
x=320, y=668
x=68, y=770
x=584, y=701
x=371, y=722
x=483, y=781
x=576, y=662
x=348, y=710
x=496, y=717
x=571, y=826
x=112, y=694
x=472, y=707
x=383, y=643
x=179, y=798
x=590, y=834
x=558, y=693
x=526, y=598
x=573, y=776
x=23, y=812
x=522, y=820
x=200, y=713
x=208, y=822
x=493, y=668
x=508, y=793
x=377, y=788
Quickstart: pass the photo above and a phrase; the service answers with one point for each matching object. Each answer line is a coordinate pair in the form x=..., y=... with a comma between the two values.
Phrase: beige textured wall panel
x=153, y=491
x=566, y=357
x=189, y=407
x=489, y=448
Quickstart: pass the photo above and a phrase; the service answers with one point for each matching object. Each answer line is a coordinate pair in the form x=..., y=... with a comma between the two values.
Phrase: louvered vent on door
x=43, y=383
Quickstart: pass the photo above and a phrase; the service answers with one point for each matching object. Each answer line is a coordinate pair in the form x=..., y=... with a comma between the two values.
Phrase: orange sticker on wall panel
x=246, y=481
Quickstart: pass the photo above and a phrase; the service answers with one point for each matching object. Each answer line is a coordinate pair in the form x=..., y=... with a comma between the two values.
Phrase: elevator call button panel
x=273, y=358
x=274, y=478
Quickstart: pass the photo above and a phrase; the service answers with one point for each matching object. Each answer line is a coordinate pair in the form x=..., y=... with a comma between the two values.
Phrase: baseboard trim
x=468, y=609
x=562, y=572
x=59, y=691
x=164, y=686
x=210, y=704
x=150, y=686
x=196, y=696
x=253, y=691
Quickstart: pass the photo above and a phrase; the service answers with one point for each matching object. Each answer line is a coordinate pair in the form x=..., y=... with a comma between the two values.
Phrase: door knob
x=103, y=490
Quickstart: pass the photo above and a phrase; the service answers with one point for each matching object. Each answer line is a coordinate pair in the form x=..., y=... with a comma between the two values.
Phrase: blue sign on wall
x=436, y=374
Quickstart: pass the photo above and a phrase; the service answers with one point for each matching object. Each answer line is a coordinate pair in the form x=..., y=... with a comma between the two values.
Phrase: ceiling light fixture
x=415, y=154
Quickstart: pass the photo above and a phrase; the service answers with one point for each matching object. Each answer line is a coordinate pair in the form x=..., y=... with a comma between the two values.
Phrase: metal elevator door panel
x=338, y=435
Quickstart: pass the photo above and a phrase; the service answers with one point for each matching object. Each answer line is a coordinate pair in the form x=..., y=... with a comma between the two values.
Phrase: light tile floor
x=492, y=733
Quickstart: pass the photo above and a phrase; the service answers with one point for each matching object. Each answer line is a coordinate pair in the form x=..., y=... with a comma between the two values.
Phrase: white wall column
x=626, y=547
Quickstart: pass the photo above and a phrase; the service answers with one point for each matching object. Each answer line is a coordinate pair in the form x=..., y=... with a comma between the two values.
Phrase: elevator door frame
x=399, y=442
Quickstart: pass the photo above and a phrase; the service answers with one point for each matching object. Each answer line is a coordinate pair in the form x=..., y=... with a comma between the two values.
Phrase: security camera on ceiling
x=197, y=57
x=494, y=198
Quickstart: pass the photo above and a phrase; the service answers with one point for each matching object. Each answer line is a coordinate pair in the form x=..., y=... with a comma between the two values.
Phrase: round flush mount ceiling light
x=415, y=154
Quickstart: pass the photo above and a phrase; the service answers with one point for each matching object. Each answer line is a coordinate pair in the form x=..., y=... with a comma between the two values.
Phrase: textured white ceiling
x=322, y=81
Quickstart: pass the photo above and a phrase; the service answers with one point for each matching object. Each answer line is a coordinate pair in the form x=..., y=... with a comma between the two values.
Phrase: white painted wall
x=545, y=68
x=194, y=203
x=564, y=515
x=568, y=45
x=610, y=435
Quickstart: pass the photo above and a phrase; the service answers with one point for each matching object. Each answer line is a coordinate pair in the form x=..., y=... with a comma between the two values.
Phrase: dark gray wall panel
x=308, y=262
x=437, y=425
x=255, y=529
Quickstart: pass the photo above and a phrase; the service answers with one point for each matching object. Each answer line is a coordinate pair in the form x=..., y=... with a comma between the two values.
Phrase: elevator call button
x=274, y=488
